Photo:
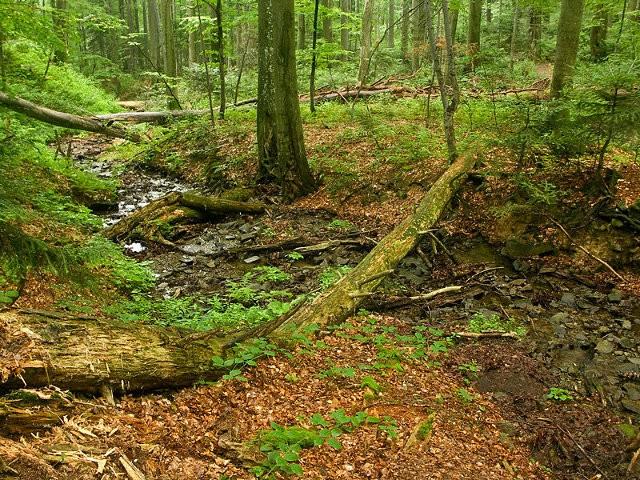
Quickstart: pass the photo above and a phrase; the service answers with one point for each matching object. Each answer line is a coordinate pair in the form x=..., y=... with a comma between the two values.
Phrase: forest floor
x=398, y=391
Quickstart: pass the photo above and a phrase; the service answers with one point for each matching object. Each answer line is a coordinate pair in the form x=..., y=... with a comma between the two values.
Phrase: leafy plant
x=338, y=224
x=481, y=322
x=465, y=395
x=294, y=256
x=559, y=394
x=331, y=275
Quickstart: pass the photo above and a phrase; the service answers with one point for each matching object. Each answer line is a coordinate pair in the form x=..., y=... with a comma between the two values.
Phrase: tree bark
x=167, y=15
x=391, y=25
x=191, y=39
x=157, y=209
x=404, y=30
x=84, y=355
x=327, y=21
x=535, y=31
x=345, y=6
x=153, y=22
x=514, y=33
x=473, y=34
x=365, y=46
x=314, y=57
x=221, y=60
x=62, y=119
x=302, y=34
x=281, y=154
x=598, y=34
x=566, y=45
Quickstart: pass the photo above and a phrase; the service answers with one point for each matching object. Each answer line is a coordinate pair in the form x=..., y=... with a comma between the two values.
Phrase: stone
x=631, y=405
x=615, y=296
x=560, y=331
x=604, y=347
x=252, y=259
x=568, y=299
x=633, y=391
x=561, y=317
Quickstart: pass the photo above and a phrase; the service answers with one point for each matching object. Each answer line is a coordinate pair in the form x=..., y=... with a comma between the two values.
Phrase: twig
x=481, y=272
x=427, y=296
x=375, y=277
x=633, y=461
x=580, y=247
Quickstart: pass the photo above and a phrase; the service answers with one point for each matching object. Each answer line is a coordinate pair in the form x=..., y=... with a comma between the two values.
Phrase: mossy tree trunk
x=281, y=154
x=567, y=44
x=473, y=33
x=598, y=34
x=365, y=44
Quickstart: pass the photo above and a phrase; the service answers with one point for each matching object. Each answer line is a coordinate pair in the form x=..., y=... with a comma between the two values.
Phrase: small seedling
x=294, y=256
x=465, y=395
x=559, y=395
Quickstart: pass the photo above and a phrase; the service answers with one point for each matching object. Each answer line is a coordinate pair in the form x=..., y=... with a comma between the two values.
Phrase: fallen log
x=62, y=119
x=175, y=206
x=93, y=355
x=85, y=355
x=343, y=298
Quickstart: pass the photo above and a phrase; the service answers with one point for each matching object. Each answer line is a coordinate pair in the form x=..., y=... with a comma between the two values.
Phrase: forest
x=324, y=239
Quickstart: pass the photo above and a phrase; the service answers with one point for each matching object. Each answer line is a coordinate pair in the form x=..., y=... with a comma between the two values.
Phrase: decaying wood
x=83, y=355
x=343, y=298
x=62, y=119
x=28, y=411
x=175, y=206
x=389, y=303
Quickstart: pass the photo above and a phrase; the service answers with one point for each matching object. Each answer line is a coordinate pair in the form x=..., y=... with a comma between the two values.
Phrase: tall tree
x=447, y=81
x=327, y=22
x=153, y=24
x=281, y=154
x=345, y=7
x=302, y=34
x=365, y=45
x=473, y=33
x=60, y=14
x=314, y=57
x=566, y=44
x=535, y=31
x=168, y=32
x=404, y=30
x=391, y=26
x=221, y=60
x=598, y=34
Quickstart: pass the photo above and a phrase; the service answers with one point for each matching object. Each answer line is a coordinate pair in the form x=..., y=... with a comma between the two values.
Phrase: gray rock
x=626, y=324
x=604, y=347
x=561, y=317
x=615, y=296
x=568, y=299
x=560, y=331
x=633, y=390
x=631, y=405
x=252, y=259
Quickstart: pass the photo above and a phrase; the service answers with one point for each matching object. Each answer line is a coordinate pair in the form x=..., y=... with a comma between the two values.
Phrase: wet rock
x=615, y=296
x=561, y=317
x=605, y=347
x=245, y=228
x=516, y=248
x=342, y=261
x=631, y=405
x=568, y=299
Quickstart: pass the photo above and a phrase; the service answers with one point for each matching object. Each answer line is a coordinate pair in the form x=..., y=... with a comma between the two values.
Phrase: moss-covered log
x=345, y=296
x=63, y=119
x=176, y=206
x=85, y=355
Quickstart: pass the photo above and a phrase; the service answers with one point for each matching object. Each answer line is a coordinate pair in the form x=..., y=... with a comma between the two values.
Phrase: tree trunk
x=133, y=29
x=281, y=155
x=449, y=105
x=566, y=45
x=62, y=119
x=514, y=33
x=191, y=39
x=170, y=61
x=535, y=31
x=365, y=46
x=598, y=34
x=153, y=22
x=60, y=26
x=417, y=34
x=327, y=21
x=302, y=34
x=345, y=6
x=221, y=60
x=404, y=30
x=314, y=57
x=455, y=13
x=391, y=25
x=473, y=34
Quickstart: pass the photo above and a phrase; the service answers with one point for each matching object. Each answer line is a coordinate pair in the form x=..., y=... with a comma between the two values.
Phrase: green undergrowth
x=281, y=446
x=43, y=222
x=249, y=301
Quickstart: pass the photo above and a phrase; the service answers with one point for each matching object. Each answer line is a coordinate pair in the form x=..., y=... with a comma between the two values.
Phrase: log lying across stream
x=176, y=205
x=85, y=354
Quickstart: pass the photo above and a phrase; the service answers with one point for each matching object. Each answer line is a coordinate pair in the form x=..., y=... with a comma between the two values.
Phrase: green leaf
x=334, y=443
